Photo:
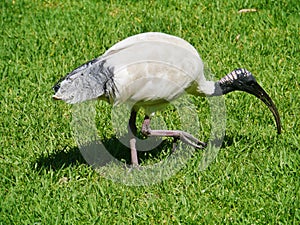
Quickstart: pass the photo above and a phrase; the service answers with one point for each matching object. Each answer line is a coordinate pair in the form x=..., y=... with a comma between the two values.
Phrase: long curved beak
x=259, y=92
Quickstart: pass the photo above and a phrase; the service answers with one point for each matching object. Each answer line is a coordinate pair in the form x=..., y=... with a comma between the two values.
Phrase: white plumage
x=151, y=67
x=149, y=70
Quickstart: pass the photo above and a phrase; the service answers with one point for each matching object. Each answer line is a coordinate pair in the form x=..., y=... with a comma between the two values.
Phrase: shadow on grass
x=114, y=147
x=60, y=159
x=234, y=139
x=66, y=157
x=228, y=141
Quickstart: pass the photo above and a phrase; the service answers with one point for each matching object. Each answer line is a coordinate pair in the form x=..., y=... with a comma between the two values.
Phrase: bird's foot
x=191, y=140
x=176, y=134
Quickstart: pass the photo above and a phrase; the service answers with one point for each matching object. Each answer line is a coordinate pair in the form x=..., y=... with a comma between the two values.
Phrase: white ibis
x=150, y=70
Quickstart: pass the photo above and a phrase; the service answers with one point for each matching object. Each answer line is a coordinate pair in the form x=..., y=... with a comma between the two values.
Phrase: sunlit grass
x=44, y=178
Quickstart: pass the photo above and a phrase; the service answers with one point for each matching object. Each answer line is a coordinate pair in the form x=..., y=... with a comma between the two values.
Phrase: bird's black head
x=243, y=80
x=239, y=79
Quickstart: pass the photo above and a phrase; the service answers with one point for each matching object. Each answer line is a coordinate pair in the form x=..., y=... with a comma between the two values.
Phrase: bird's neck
x=221, y=88
x=210, y=88
x=207, y=88
x=236, y=80
x=230, y=82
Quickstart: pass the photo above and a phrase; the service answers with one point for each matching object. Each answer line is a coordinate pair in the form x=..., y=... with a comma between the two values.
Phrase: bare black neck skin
x=243, y=80
x=237, y=80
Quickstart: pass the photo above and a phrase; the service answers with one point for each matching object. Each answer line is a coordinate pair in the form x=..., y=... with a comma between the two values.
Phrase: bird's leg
x=177, y=134
x=133, y=132
x=175, y=139
x=146, y=126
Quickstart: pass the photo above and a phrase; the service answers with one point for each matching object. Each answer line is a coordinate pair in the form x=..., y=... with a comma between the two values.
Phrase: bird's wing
x=150, y=37
x=153, y=66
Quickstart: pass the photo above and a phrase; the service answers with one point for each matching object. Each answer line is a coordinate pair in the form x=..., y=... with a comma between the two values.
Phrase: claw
x=191, y=140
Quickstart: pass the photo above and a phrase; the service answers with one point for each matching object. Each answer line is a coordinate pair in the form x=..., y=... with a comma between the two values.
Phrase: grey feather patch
x=89, y=81
x=109, y=85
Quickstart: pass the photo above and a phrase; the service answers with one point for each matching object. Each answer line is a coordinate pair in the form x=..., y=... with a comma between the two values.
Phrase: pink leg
x=134, y=158
x=177, y=134
x=133, y=131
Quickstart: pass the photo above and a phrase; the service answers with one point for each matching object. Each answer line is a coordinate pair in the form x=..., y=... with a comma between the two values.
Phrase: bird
x=150, y=70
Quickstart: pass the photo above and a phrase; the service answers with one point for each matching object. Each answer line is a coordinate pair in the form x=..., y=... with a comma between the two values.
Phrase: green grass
x=44, y=179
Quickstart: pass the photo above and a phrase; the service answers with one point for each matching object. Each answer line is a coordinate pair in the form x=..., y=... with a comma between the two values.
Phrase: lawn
x=255, y=177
